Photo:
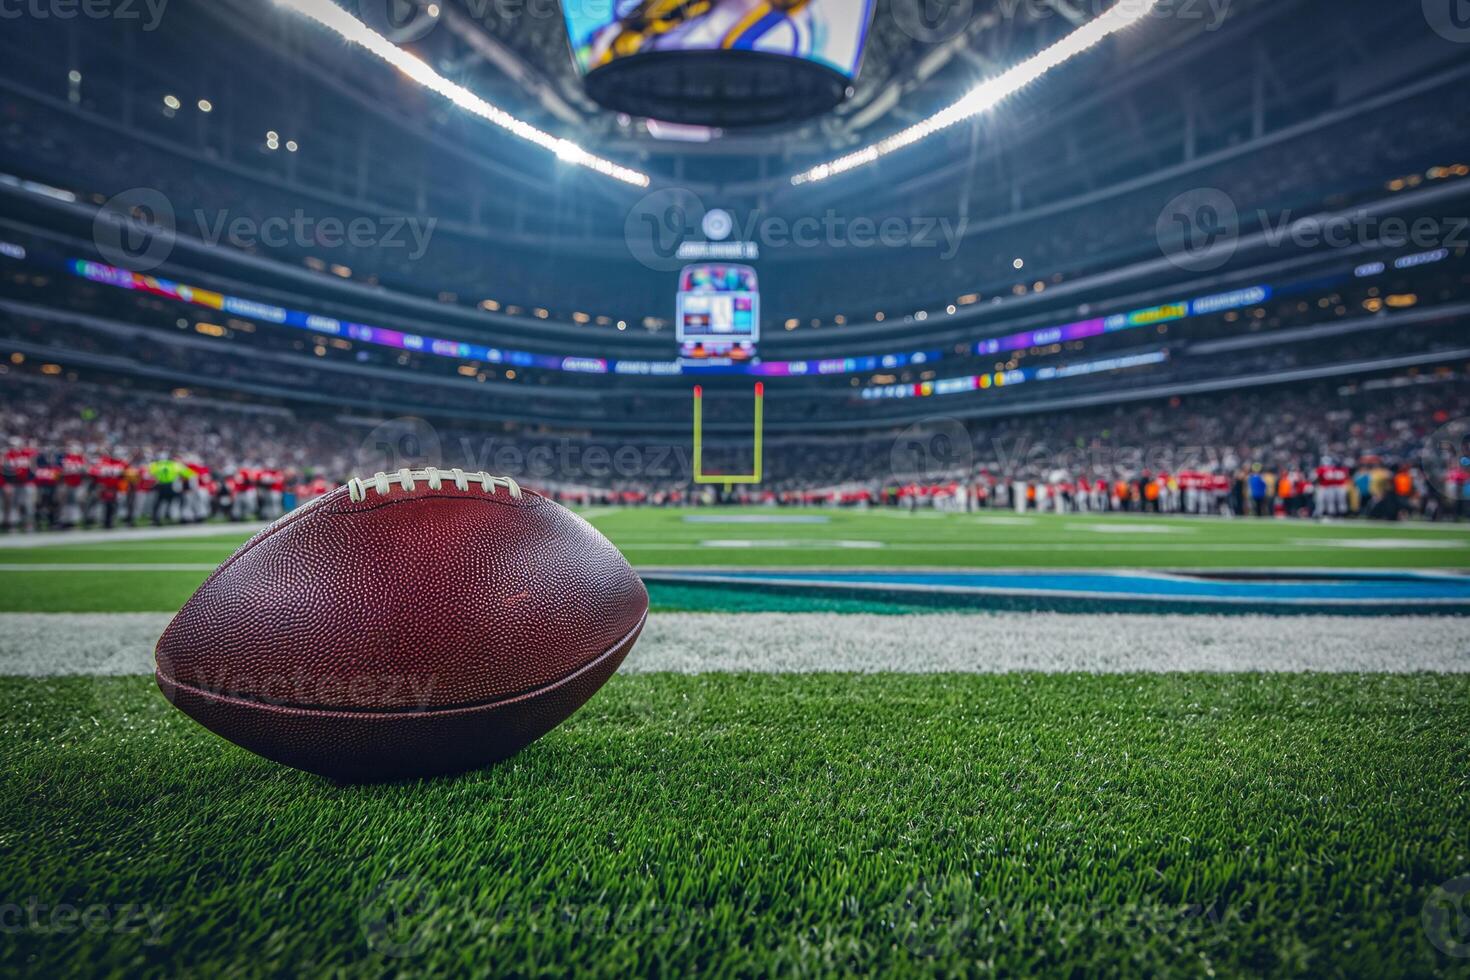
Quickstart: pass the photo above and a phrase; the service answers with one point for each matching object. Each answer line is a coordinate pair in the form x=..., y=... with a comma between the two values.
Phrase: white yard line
x=125, y=534
x=48, y=644
x=1264, y=547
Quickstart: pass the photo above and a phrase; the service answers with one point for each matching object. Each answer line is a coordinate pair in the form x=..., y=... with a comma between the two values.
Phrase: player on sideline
x=1332, y=488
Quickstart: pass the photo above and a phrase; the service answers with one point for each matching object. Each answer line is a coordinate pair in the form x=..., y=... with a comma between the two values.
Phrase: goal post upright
x=728, y=479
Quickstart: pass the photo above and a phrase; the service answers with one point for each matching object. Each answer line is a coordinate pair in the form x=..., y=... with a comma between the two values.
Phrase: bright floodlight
x=990, y=92
x=331, y=16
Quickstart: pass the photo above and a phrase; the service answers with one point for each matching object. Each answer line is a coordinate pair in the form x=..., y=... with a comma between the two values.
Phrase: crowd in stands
x=79, y=455
x=148, y=336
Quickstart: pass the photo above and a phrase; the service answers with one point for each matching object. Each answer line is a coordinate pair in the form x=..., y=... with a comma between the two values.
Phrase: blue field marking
x=1329, y=591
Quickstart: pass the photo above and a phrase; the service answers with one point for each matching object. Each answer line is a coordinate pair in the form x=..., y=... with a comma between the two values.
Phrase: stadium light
x=333, y=17
x=992, y=91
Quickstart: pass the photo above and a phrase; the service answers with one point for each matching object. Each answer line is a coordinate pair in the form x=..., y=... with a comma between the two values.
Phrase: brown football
x=408, y=624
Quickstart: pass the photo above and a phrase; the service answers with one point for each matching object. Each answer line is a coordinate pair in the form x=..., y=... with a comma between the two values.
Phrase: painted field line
x=50, y=644
x=125, y=534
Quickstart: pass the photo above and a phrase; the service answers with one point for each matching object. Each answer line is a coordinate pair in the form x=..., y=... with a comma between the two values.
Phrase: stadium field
x=816, y=790
x=116, y=575
x=747, y=825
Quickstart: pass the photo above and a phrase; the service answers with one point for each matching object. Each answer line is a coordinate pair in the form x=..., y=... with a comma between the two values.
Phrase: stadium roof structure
x=914, y=66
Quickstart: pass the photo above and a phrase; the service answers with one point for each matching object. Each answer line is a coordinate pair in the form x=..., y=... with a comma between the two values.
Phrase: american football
x=408, y=624
x=734, y=488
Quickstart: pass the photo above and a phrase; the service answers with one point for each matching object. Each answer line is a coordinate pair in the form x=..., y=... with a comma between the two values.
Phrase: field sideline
x=781, y=784
x=48, y=574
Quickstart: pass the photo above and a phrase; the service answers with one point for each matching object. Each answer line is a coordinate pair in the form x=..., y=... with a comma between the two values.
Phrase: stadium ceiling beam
x=987, y=94
x=1448, y=197
x=844, y=129
x=986, y=64
x=1147, y=74
x=1068, y=12
x=340, y=21
x=514, y=67
x=728, y=146
x=886, y=100
x=246, y=23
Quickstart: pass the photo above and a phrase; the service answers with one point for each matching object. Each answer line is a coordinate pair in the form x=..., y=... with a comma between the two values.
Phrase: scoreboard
x=719, y=62
x=718, y=316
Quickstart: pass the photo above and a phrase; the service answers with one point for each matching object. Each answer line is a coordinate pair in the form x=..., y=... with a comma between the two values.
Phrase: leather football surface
x=414, y=631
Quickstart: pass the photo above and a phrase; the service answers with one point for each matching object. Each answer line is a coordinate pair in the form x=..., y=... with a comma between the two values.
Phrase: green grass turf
x=662, y=538
x=63, y=592
x=756, y=825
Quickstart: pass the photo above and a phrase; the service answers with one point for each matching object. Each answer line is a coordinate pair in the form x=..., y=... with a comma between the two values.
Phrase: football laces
x=381, y=483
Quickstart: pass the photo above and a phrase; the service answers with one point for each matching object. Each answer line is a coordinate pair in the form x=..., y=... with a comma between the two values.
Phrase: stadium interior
x=987, y=390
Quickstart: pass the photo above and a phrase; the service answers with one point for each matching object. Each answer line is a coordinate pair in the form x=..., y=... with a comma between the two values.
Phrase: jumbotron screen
x=718, y=317
x=830, y=33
